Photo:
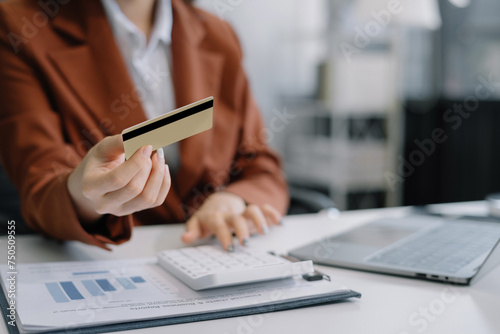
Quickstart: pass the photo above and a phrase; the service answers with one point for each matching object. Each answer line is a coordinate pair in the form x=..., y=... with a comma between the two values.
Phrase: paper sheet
x=66, y=295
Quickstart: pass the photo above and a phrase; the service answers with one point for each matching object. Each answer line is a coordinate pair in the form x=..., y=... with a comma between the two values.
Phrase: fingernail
x=265, y=228
x=161, y=154
x=230, y=248
x=280, y=221
x=147, y=150
x=245, y=242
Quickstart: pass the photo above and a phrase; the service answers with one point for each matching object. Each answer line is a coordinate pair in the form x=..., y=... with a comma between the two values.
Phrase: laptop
x=434, y=248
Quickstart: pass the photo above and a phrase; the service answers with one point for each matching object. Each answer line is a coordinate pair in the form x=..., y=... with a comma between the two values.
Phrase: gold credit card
x=169, y=128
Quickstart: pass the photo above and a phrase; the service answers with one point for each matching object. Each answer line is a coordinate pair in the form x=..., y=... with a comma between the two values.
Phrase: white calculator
x=207, y=267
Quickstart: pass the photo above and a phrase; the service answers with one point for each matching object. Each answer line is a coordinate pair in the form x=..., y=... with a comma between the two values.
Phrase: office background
x=369, y=81
x=373, y=102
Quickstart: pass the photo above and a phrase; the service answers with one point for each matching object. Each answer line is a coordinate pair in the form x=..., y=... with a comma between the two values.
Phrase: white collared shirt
x=148, y=62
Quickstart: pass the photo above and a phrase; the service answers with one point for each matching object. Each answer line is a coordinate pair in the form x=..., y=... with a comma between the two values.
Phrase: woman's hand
x=104, y=183
x=224, y=213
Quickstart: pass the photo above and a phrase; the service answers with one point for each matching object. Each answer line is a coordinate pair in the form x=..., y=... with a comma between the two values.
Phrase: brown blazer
x=64, y=86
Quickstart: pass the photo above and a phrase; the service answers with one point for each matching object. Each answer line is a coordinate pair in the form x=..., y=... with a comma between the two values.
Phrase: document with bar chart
x=71, y=295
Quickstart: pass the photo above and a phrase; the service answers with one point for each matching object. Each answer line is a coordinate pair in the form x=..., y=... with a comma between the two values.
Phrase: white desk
x=390, y=305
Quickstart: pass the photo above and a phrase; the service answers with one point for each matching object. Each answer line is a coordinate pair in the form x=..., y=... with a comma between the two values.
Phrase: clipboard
x=193, y=318
x=306, y=294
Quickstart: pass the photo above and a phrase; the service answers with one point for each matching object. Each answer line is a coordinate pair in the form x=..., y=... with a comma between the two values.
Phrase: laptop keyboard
x=447, y=248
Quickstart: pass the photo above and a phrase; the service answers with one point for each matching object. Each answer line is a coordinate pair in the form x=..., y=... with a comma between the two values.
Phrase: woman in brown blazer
x=66, y=94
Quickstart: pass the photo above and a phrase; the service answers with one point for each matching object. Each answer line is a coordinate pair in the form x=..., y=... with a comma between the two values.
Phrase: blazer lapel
x=94, y=69
x=196, y=75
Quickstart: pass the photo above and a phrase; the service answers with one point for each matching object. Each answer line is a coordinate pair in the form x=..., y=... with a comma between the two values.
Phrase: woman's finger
x=122, y=200
x=165, y=186
x=148, y=197
x=221, y=229
x=193, y=230
x=256, y=216
x=272, y=215
x=240, y=226
x=122, y=175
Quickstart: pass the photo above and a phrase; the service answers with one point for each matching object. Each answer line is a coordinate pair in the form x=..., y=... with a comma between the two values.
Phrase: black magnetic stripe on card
x=168, y=120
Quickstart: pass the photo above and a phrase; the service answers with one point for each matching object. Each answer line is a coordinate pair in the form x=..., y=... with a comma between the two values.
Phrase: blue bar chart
x=126, y=283
x=56, y=292
x=137, y=279
x=105, y=285
x=67, y=291
x=91, y=272
x=92, y=287
x=71, y=290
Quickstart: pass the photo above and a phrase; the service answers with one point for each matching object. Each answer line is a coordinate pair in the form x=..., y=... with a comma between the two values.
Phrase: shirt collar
x=121, y=25
x=163, y=22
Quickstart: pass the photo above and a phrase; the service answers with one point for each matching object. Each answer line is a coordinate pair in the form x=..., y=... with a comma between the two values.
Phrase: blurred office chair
x=304, y=200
